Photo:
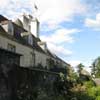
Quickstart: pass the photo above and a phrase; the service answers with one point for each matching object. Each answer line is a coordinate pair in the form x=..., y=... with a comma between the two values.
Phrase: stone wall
x=17, y=83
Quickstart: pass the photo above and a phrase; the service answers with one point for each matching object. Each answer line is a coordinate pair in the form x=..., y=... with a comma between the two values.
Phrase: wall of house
x=41, y=59
x=25, y=51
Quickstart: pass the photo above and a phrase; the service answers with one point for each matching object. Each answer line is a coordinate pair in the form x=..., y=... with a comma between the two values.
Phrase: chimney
x=10, y=27
x=30, y=24
x=35, y=27
x=25, y=19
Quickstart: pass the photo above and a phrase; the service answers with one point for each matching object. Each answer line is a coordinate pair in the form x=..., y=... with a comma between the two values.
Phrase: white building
x=22, y=37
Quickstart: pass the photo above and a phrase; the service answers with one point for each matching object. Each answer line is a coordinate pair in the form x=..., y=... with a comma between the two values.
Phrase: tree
x=96, y=68
x=80, y=68
x=71, y=74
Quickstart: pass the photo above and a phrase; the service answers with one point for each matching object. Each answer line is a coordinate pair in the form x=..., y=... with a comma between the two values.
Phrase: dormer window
x=10, y=28
x=30, y=40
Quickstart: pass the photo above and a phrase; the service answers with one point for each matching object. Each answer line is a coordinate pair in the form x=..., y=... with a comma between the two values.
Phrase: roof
x=20, y=39
x=2, y=30
x=56, y=57
x=2, y=18
x=49, y=53
x=35, y=45
x=19, y=23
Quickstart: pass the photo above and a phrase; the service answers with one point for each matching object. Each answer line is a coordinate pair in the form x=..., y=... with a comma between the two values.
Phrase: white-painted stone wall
x=41, y=59
x=25, y=51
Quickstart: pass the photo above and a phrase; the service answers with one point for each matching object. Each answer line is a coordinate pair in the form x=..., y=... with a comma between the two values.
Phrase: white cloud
x=74, y=63
x=14, y=8
x=59, y=37
x=55, y=11
x=59, y=50
x=93, y=23
x=51, y=13
x=4, y=3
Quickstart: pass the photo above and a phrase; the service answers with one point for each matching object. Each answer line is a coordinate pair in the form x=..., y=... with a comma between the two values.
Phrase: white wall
x=26, y=52
x=26, y=59
x=41, y=58
x=20, y=49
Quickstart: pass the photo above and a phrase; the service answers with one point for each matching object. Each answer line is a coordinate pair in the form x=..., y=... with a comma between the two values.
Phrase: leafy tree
x=97, y=98
x=71, y=74
x=96, y=68
x=80, y=68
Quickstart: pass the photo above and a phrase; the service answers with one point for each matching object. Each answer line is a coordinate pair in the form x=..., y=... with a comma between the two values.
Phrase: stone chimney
x=35, y=27
x=30, y=24
x=26, y=22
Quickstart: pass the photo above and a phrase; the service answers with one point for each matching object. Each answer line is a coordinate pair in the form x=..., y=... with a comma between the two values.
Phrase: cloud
x=13, y=8
x=74, y=63
x=60, y=36
x=3, y=3
x=54, y=12
x=51, y=14
x=58, y=49
x=58, y=40
x=93, y=23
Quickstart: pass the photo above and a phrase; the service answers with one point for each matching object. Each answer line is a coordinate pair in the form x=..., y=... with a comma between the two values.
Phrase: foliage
x=97, y=98
x=89, y=84
x=96, y=68
x=71, y=74
x=92, y=92
x=80, y=67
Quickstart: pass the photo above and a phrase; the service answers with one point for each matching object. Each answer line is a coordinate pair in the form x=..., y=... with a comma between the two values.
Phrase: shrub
x=97, y=98
x=89, y=84
x=92, y=92
x=98, y=91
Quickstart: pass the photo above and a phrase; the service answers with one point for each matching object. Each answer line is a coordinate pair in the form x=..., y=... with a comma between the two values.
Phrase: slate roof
x=56, y=57
x=2, y=30
x=49, y=53
x=20, y=40
x=2, y=18
x=19, y=23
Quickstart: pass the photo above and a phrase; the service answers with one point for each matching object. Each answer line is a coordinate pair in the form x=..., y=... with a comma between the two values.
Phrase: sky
x=71, y=28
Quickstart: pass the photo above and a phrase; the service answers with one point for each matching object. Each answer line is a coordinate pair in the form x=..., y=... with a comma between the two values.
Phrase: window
x=11, y=48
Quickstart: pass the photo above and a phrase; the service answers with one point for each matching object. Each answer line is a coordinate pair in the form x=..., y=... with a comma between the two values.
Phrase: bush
x=98, y=91
x=89, y=84
x=97, y=98
x=92, y=92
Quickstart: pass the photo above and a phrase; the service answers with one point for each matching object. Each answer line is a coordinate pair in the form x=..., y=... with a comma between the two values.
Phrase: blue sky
x=71, y=28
